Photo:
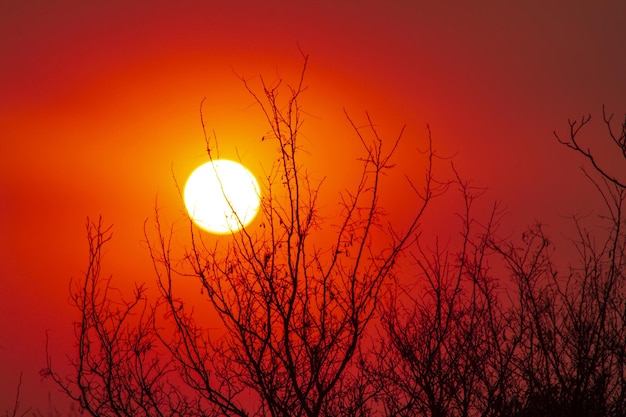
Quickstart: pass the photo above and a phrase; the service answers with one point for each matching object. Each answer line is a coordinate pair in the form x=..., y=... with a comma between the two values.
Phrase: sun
x=222, y=196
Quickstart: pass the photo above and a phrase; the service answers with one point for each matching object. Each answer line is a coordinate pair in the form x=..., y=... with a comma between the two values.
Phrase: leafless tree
x=115, y=372
x=445, y=338
x=494, y=328
x=570, y=359
x=293, y=307
x=313, y=320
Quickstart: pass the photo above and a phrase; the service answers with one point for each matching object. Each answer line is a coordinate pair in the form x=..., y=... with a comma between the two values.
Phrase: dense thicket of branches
x=309, y=328
x=494, y=328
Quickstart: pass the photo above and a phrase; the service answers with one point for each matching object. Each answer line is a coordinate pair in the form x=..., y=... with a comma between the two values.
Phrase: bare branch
x=573, y=143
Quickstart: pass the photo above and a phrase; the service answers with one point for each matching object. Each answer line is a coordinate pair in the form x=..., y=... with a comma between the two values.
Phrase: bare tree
x=446, y=347
x=294, y=307
x=570, y=359
x=313, y=320
x=571, y=325
x=493, y=328
x=294, y=310
x=115, y=370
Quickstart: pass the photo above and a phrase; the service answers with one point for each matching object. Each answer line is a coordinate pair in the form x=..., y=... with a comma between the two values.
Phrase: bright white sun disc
x=222, y=196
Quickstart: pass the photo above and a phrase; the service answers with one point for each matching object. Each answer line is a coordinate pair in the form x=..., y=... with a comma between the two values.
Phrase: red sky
x=99, y=102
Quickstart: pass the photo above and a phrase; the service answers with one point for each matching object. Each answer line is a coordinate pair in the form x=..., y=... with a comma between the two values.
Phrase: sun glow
x=222, y=196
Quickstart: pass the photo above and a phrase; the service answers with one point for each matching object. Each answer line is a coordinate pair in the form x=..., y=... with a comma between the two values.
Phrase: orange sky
x=99, y=102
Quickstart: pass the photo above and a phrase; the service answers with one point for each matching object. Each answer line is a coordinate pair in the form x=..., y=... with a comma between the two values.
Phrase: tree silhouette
x=495, y=329
x=294, y=308
x=447, y=346
x=314, y=320
x=116, y=371
x=570, y=359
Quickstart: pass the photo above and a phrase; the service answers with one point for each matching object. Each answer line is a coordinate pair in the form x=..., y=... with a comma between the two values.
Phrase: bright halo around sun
x=222, y=196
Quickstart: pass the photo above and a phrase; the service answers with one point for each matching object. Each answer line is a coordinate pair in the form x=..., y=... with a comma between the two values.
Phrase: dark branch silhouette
x=618, y=138
x=294, y=308
x=314, y=321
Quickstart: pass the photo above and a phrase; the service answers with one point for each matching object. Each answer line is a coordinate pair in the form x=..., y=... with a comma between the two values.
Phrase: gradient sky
x=99, y=104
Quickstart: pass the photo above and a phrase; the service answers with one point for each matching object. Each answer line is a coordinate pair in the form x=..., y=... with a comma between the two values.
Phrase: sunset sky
x=99, y=112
